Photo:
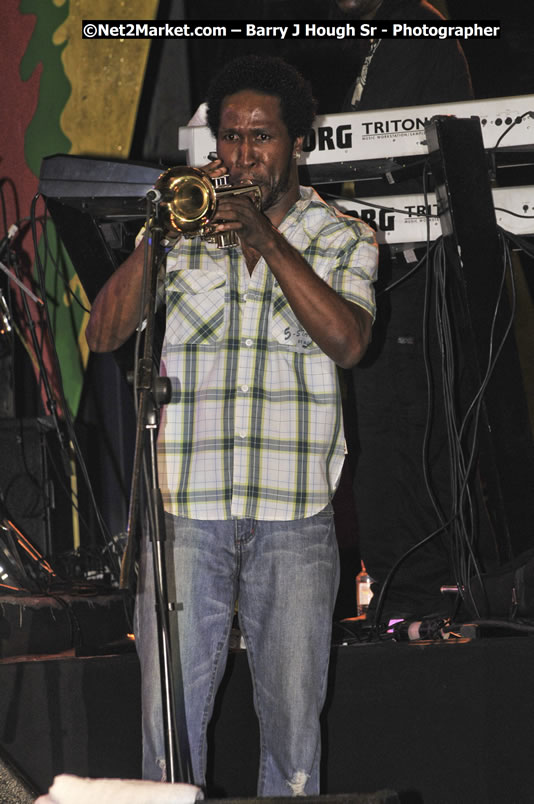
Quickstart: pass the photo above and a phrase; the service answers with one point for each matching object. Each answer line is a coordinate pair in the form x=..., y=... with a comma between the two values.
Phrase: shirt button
x=248, y=342
x=244, y=388
x=242, y=434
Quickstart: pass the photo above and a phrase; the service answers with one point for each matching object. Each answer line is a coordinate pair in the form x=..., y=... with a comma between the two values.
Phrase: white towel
x=68, y=789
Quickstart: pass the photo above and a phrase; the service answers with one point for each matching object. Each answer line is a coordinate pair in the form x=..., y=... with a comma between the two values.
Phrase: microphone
x=6, y=240
x=412, y=630
x=4, y=246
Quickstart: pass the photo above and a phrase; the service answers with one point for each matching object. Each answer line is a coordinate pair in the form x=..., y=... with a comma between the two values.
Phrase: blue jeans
x=285, y=576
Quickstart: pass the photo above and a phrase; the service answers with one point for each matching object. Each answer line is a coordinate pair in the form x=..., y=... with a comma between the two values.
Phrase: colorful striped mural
x=62, y=94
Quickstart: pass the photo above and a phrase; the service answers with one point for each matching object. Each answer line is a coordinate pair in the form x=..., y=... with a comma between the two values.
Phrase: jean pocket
x=196, y=311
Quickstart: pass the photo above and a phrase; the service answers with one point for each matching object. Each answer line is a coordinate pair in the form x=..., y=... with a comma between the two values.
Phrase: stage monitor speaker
x=35, y=490
x=14, y=789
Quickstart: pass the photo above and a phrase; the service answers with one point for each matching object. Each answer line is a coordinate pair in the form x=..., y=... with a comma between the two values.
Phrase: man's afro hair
x=269, y=75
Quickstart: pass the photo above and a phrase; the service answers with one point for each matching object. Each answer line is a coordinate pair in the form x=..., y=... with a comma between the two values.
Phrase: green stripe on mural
x=44, y=135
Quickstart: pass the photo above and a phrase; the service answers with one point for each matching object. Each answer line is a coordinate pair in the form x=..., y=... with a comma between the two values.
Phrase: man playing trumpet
x=251, y=451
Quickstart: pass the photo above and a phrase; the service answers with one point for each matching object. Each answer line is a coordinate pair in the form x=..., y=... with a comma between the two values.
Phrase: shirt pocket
x=285, y=327
x=196, y=309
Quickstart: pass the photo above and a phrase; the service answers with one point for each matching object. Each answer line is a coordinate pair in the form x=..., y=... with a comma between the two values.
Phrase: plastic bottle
x=363, y=591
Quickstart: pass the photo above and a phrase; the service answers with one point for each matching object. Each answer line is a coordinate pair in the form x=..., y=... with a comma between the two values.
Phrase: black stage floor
x=440, y=723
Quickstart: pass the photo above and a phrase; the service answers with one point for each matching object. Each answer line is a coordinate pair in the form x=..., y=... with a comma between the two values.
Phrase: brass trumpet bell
x=189, y=200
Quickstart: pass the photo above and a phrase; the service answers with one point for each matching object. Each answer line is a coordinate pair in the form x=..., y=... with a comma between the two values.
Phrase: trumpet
x=189, y=201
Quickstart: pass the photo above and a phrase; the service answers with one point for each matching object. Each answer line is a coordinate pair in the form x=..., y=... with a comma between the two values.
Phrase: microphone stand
x=152, y=392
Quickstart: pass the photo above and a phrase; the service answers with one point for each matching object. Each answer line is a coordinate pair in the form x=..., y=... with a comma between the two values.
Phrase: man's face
x=255, y=146
x=359, y=9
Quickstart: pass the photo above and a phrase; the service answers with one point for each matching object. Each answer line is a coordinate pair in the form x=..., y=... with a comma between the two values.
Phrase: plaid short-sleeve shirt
x=254, y=427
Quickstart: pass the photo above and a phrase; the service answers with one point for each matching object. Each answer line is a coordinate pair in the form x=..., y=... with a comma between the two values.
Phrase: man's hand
x=238, y=213
x=214, y=169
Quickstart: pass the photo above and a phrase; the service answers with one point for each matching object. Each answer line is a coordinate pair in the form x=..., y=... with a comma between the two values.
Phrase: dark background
x=177, y=75
x=179, y=72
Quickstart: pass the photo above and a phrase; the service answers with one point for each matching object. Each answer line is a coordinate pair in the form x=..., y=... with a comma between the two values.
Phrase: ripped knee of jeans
x=162, y=765
x=298, y=783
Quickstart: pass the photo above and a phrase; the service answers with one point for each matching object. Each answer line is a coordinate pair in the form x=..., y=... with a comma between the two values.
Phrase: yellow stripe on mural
x=106, y=76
